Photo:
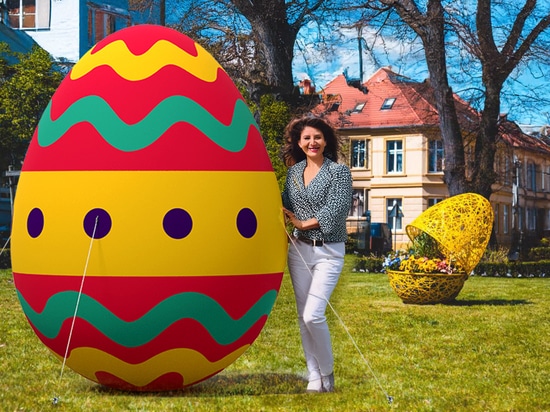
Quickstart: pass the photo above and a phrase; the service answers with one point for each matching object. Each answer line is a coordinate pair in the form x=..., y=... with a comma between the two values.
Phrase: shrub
x=5, y=259
x=351, y=244
x=369, y=263
x=539, y=253
x=499, y=255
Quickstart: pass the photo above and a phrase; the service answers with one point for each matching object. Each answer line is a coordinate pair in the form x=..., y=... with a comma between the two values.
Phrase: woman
x=316, y=199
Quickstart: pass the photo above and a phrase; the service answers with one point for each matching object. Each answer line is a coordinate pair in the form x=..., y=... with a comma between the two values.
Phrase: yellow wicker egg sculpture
x=461, y=224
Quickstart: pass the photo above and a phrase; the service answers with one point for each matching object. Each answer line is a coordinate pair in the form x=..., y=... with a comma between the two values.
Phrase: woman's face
x=312, y=142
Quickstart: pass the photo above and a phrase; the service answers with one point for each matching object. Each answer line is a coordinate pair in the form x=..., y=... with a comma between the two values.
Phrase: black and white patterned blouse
x=327, y=198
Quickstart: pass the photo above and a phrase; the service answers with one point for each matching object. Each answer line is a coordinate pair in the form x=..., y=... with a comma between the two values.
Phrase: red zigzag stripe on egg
x=89, y=151
x=168, y=380
x=126, y=97
x=186, y=333
x=37, y=289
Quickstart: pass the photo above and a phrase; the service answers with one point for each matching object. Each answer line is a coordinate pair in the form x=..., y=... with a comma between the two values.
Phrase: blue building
x=67, y=29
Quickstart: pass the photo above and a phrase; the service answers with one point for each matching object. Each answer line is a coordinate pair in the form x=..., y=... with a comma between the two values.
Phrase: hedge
x=540, y=269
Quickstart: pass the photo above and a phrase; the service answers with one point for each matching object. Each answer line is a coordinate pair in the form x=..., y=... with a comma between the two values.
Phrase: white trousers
x=315, y=271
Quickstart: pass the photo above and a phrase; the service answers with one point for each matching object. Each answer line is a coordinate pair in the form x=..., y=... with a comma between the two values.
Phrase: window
x=531, y=176
x=100, y=25
x=358, y=203
x=388, y=103
x=359, y=150
x=531, y=218
x=507, y=171
x=434, y=200
x=435, y=156
x=505, y=219
x=394, y=213
x=394, y=157
x=104, y=21
x=358, y=107
x=28, y=14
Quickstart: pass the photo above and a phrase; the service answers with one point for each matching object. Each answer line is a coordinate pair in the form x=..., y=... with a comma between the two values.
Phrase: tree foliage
x=26, y=87
x=275, y=115
x=253, y=40
x=147, y=10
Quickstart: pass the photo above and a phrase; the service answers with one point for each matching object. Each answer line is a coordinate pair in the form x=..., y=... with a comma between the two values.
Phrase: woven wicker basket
x=426, y=288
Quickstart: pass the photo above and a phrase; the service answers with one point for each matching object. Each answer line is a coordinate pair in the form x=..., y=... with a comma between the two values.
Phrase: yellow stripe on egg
x=138, y=67
x=137, y=202
x=192, y=365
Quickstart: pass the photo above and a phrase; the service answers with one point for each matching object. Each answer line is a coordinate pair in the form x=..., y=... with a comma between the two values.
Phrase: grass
x=489, y=351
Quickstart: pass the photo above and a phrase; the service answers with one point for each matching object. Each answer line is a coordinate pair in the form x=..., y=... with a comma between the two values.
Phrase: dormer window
x=334, y=107
x=358, y=107
x=388, y=103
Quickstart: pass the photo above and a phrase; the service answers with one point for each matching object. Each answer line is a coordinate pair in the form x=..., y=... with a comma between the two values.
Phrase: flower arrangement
x=424, y=256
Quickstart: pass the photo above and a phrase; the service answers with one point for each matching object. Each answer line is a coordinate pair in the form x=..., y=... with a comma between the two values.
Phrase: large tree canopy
x=254, y=40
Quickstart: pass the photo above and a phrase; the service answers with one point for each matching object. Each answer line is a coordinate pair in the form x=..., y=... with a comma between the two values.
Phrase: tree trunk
x=430, y=27
x=277, y=48
x=484, y=174
x=275, y=41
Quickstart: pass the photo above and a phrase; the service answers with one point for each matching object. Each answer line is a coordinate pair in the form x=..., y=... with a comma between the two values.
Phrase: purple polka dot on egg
x=35, y=222
x=247, y=223
x=97, y=223
x=177, y=223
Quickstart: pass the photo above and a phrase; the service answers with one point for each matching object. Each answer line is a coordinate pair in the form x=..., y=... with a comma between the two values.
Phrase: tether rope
x=371, y=370
x=5, y=244
x=56, y=398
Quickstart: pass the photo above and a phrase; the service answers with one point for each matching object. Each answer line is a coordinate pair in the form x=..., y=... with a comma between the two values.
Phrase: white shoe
x=314, y=386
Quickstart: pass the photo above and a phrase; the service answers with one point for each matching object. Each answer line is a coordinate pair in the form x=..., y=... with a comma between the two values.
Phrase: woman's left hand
x=312, y=223
x=291, y=217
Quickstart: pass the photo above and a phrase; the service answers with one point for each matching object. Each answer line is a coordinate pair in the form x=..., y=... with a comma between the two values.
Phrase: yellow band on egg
x=138, y=67
x=192, y=365
x=137, y=244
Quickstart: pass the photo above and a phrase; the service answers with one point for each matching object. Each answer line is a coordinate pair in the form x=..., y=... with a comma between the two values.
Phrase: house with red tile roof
x=393, y=146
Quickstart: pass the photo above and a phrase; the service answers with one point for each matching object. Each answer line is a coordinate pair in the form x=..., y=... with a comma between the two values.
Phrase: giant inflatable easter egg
x=148, y=206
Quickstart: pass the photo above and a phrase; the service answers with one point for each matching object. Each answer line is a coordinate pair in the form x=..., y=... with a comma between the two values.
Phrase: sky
x=408, y=61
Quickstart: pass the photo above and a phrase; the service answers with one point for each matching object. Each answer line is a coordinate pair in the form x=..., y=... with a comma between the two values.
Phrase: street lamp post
x=10, y=174
x=515, y=247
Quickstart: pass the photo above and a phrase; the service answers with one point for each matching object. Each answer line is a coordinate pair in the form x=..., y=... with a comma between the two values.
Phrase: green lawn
x=490, y=351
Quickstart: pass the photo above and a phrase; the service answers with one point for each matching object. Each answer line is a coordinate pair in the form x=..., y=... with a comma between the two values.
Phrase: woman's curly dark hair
x=292, y=153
